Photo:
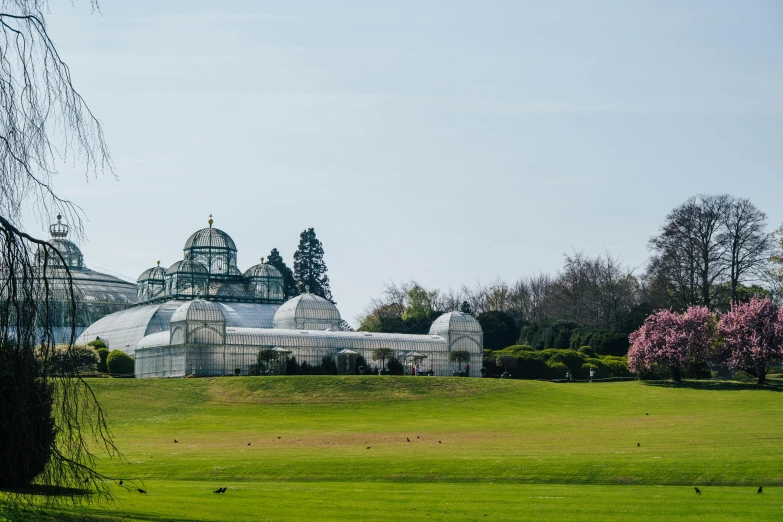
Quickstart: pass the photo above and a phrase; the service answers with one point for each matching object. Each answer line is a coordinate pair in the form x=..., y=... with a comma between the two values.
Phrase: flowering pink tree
x=673, y=340
x=752, y=335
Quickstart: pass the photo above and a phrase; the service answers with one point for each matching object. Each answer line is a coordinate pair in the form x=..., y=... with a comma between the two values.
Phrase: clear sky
x=451, y=142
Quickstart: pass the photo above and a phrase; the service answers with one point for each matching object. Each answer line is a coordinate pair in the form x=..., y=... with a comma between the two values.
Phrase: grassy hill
x=511, y=449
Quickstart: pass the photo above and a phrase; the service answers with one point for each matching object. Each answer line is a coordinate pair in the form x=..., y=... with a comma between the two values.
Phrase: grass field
x=512, y=450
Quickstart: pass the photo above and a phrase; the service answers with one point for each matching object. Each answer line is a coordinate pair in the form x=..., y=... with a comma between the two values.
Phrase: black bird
x=638, y=445
x=368, y=447
x=439, y=442
x=141, y=491
x=175, y=441
x=279, y=437
x=248, y=444
x=406, y=438
x=218, y=490
x=697, y=490
x=120, y=483
x=417, y=436
x=760, y=488
x=646, y=413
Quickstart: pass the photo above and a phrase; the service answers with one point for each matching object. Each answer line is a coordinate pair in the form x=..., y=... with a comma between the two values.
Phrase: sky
x=448, y=142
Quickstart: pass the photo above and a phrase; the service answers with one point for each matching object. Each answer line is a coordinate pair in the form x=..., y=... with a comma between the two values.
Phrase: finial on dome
x=307, y=289
x=58, y=229
x=210, y=221
x=158, y=262
x=187, y=255
x=262, y=259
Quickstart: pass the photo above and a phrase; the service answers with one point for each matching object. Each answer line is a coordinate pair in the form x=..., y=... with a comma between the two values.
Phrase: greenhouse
x=203, y=316
x=96, y=294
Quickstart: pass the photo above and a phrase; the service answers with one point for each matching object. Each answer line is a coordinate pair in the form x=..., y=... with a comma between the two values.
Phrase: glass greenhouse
x=203, y=316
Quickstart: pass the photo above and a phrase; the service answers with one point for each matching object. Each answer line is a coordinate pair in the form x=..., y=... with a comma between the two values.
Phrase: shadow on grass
x=45, y=491
x=775, y=386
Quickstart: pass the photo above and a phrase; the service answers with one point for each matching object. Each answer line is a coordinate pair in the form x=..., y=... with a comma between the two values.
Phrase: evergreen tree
x=466, y=308
x=309, y=266
x=289, y=283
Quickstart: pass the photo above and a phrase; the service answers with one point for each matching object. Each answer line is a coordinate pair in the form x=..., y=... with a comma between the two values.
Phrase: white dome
x=198, y=310
x=455, y=322
x=307, y=312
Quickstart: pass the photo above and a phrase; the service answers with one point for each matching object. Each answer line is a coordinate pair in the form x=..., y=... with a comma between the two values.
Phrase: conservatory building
x=96, y=294
x=203, y=316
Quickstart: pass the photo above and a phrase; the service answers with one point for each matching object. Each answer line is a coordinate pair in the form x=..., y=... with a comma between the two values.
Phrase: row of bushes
x=523, y=362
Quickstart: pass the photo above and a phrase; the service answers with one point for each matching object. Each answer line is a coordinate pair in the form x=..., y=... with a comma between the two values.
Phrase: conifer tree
x=289, y=283
x=309, y=266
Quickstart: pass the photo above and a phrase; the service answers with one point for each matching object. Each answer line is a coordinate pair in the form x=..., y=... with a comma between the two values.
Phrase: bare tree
x=51, y=421
x=688, y=256
x=746, y=242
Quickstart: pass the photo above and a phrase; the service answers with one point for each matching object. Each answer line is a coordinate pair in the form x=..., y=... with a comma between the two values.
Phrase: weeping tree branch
x=44, y=121
x=51, y=422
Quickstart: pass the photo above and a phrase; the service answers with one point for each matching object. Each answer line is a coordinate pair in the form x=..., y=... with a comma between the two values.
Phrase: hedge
x=120, y=363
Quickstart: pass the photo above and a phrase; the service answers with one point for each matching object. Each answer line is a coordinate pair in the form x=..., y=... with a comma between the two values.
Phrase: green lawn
x=515, y=450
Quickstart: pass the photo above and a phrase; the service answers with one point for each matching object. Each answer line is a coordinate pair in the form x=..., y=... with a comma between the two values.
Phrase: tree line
x=710, y=251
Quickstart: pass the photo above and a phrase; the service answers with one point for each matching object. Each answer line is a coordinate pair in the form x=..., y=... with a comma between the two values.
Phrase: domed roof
x=210, y=238
x=263, y=270
x=307, y=312
x=155, y=273
x=70, y=252
x=455, y=322
x=198, y=310
x=186, y=266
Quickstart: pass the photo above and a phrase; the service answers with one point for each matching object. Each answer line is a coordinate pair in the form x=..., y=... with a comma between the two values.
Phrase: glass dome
x=186, y=278
x=151, y=283
x=214, y=249
x=307, y=312
x=265, y=282
x=455, y=322
x=71, y=254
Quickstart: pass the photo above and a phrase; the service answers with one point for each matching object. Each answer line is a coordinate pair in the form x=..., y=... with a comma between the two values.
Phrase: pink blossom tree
x=673, y=340
x=752, y=336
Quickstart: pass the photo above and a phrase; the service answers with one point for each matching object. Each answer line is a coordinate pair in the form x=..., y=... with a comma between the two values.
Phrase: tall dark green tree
x=309, y=266
x=289, y=283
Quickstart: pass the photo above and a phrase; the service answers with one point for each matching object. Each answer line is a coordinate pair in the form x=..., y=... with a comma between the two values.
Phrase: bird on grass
x=248, y=443
x=638, y=445
x=279, y=437
x=406, y=438
x=697, y=490
x=418, y=437
x=220, y=490
x=120, y=483
x=175, y=441
x=646, y=413
x=760, y=488
x=141, y=491
x=439, y=442
x=368, y=447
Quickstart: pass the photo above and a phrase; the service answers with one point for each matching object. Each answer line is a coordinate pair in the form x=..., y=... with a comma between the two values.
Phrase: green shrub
x=328, y=366
x=556, y=370
x=587, y=350
x=69, y=360
x=395, y=367
x=120, y=364
x=530, y=366
x=97, y=344
x=516, y=350
x=616, y=366
x=571, y=358
x=103, y=353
